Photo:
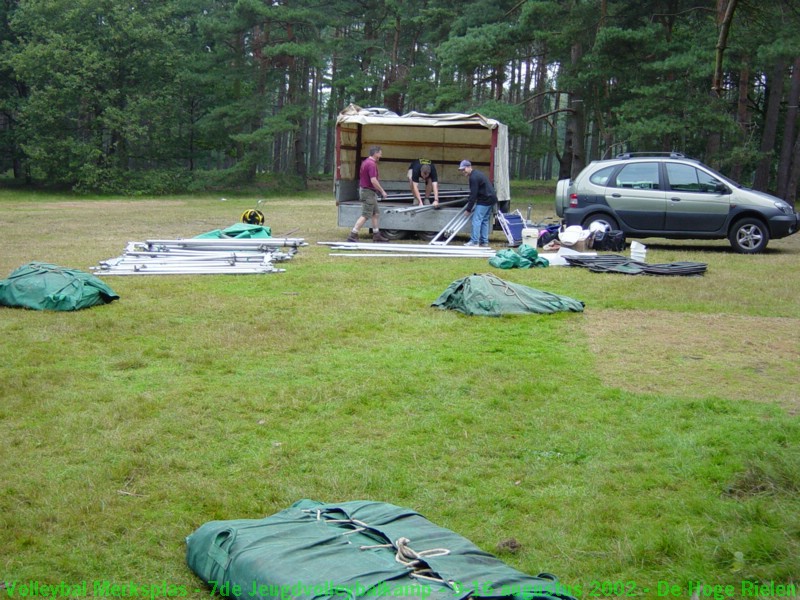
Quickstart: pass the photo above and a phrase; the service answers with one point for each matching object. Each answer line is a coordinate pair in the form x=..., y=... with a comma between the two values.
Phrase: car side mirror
x=721, y=188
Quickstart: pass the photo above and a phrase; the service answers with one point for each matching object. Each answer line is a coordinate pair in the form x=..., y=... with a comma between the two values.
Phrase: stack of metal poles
x=424, y=207
x=201, y=256
x=448, y=194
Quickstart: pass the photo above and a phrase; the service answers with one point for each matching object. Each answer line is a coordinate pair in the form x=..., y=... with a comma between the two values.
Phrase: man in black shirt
x=424, y=170
x=482, y=198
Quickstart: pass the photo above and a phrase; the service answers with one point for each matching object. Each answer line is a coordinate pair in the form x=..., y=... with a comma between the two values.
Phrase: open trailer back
x=445, y=139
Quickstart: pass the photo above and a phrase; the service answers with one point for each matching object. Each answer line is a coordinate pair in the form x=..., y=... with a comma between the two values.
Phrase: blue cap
x=464, y=164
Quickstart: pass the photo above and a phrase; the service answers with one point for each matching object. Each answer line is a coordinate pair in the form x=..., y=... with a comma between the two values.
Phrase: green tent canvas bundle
x=43, y=286
x=488, y=295
x=239, y=231
x=352, y=551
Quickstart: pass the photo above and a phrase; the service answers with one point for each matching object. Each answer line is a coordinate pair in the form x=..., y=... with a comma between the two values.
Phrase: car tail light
x=573, y=200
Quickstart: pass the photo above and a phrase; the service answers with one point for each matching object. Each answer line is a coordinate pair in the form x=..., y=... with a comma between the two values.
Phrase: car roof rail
x=625, y=155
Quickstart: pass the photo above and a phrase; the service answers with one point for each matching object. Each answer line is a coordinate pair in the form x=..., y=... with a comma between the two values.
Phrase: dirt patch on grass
x=700, y=356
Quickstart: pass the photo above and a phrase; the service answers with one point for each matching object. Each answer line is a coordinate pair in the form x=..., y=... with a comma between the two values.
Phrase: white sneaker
x=471, y=243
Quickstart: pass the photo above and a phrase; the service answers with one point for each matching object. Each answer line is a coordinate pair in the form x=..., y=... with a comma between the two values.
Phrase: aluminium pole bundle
x=425, y=207
x=202, y=256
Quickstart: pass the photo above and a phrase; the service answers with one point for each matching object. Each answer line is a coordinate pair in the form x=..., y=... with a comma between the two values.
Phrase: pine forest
x=144, y=96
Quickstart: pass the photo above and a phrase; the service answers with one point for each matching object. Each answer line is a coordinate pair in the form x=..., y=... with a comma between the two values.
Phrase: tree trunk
x=314, y=142
x=392, y=98
x=785, y=162
x=794, y=175
x=774, y=94
x=742, y=114
x=725, y=12
x=333, y=109
x=548, y=167
x=499, y=81
x=575, y=153
x=541, y=131
x=594, y=146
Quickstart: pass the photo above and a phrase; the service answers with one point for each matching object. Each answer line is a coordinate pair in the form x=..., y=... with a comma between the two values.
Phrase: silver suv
x=671, y=196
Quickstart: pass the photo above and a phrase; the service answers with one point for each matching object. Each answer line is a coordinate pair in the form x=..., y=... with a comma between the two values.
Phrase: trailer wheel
x=395, y=234
x=427, y=236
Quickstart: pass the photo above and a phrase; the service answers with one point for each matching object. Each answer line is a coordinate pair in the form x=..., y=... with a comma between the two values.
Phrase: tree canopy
x=142, y=96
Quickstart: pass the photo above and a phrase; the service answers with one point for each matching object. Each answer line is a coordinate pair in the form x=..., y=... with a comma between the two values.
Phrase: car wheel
x=749, y=236
x=608, y=222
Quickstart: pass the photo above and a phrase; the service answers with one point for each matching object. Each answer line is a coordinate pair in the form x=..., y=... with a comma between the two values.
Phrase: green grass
x=609, y=448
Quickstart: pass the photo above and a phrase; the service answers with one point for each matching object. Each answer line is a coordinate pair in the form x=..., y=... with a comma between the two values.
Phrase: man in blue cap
x=482, y=198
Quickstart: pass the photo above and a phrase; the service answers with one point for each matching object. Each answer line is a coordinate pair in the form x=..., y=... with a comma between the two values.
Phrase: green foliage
x=240, y=177
x=490, y=44
x=449, y=98
x=659, y=96
x=505, y=113
x=133, y=183
x=88, y=86
x=95, y=77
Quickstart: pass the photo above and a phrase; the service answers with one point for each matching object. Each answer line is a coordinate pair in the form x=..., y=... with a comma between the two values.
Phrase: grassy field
x=652, y=439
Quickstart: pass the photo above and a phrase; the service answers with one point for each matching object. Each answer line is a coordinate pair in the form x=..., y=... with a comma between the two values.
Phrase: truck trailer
x=444, y=139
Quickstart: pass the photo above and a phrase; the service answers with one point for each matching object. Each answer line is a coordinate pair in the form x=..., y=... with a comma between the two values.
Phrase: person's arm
x=413, y=185
x=377, y=185
x=435, y=185
x=473, y=193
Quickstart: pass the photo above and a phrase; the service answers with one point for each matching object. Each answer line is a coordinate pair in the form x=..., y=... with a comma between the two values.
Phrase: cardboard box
x=580, y=246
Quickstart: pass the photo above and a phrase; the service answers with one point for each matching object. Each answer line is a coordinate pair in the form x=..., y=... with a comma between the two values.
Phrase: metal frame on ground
x=195, y=256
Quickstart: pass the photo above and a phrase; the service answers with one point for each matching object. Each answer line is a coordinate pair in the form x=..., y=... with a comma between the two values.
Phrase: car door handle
x=675, y=199
x=616, y=196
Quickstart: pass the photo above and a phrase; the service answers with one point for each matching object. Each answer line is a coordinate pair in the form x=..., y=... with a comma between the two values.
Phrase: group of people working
x=482, y=196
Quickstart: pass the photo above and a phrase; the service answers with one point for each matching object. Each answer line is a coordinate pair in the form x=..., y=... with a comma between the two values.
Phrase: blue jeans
x=480, y=224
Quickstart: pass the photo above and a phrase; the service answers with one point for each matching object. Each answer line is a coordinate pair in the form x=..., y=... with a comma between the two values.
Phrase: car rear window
x=601, y=177
x=638, y=176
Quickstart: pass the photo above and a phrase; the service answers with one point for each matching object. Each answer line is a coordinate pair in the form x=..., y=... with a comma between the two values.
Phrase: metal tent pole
x=410, y=248
x=412, y=255
x=226, y=244
x=155, y=270
x=452, y=228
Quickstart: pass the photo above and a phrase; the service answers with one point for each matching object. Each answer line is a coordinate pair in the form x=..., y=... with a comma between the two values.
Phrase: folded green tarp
x=487, y=295
x=350, y=551
x=43, y=286
x=526, y=257
x=239, y=231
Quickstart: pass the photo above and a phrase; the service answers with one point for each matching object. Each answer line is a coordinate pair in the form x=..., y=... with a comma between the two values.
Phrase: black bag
x=613, y=241
x=597, y=240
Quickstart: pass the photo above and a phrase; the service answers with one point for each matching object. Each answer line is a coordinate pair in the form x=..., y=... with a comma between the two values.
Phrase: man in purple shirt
x=369, y=187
